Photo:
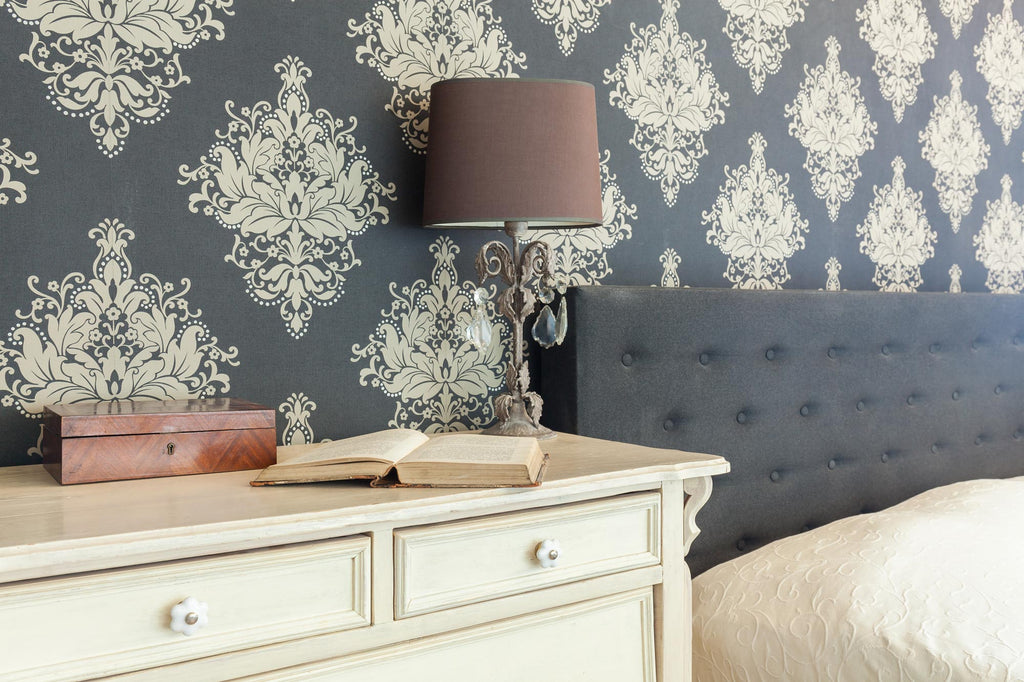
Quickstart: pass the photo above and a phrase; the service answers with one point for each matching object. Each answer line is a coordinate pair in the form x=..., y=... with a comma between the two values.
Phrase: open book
x=407, y=457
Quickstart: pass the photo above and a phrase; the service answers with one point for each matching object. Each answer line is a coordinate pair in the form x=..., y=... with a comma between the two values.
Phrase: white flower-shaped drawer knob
x=548, y=553
x=188, y=616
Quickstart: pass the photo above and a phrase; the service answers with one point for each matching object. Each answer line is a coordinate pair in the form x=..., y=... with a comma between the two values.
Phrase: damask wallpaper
x=213, y=197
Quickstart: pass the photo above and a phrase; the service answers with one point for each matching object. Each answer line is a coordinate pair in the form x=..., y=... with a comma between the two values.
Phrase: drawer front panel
x=100, y=623
x=447, y=565
x=607, y=640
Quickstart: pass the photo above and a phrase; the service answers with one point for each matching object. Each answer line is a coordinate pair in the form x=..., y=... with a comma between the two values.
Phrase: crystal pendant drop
x=561, y=323
x=478, y=332
x=544, y=328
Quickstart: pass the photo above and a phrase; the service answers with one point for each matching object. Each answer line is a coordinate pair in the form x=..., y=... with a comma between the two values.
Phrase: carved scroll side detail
x=698, y=492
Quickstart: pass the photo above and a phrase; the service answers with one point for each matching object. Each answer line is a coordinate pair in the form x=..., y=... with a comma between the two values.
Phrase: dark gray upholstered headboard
x=827, y=404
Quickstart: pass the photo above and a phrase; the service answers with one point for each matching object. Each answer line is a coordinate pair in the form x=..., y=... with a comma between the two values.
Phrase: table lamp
x=514, y=154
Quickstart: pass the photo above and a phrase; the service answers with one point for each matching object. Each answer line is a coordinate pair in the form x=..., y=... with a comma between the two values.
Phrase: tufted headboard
x=826, y=404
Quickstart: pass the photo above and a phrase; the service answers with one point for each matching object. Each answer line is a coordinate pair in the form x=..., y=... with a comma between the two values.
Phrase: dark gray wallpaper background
x=77, y=187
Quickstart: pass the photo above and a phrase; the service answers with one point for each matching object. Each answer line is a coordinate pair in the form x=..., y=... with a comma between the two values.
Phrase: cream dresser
x=582, y=578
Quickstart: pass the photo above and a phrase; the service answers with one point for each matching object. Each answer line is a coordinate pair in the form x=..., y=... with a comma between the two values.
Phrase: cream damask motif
x=9, y=187
x=755, y=222
x=832, y=268
x=896, y=235
x=297, y=409
x=581, y=255
x=570, y=18
x=899, y=34
x=420, y=354
x=415, y=43
x=1000, y=243
x=670, y=261
x=295, y=188
x=1001, y=62
x=831, y=121
x=665, y=85
x=954, y=279
x=115, y=62
x=959, y=13
x=109, y=335
x=956, y=149
x=757, y=29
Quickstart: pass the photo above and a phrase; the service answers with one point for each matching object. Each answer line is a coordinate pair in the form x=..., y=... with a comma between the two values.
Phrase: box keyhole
x=170, y=448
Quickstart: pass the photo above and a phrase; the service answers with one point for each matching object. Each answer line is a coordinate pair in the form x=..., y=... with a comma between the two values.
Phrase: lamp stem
x=519, y=409
x=517, y=230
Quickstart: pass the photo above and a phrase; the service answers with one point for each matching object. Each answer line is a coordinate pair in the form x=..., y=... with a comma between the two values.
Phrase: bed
x=869, y=527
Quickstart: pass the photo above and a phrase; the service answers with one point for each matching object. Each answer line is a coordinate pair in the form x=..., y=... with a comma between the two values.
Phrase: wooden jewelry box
x=109, y=441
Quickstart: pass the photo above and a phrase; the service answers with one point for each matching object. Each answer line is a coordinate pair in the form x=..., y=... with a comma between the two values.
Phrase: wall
x=221, y=197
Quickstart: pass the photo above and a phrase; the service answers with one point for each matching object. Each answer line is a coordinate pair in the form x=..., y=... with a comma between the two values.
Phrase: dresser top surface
x=86, y=527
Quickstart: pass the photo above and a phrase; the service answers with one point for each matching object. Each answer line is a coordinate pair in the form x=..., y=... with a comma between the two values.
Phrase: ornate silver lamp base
x=519, y=423
x=519, y=409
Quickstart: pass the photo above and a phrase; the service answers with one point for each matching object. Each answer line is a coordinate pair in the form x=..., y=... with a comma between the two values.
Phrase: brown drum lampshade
x=511, y=149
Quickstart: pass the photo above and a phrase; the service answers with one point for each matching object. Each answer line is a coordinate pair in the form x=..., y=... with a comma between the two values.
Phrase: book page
x=344, y=471
x=474, y=448
x=381, y=446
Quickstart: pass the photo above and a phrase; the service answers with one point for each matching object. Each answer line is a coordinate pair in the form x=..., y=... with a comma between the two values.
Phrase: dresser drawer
x=98, y=623
x=447, y=565
x=603, y=640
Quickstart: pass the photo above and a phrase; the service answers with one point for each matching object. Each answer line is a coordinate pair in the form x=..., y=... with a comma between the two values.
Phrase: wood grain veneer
x=107, y=441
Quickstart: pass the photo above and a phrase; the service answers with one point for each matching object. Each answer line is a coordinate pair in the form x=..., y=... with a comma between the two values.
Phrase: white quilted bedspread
x=931, y=589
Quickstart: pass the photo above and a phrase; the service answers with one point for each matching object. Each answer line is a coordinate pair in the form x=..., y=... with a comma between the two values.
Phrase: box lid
x=156, y=416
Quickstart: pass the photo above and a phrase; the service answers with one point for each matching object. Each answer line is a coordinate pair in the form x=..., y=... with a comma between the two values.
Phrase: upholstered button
x=885, y=457
x=934, y=348
x=860, y=405
x=885, y=350
x=998, y=390
x=910, y=399
x=935, y=448
x=831, y=464
x=703, y=359
x=741, y=544
x=1016, y=340
x=769, y=354
x=979, y=440
x=774, y=476
x=832, y=353
x=975, y=345
x=956, y=395
x=741, y=417
x=627, y=359
x=804, y=411
x=1017, y=434
x=668, y=425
